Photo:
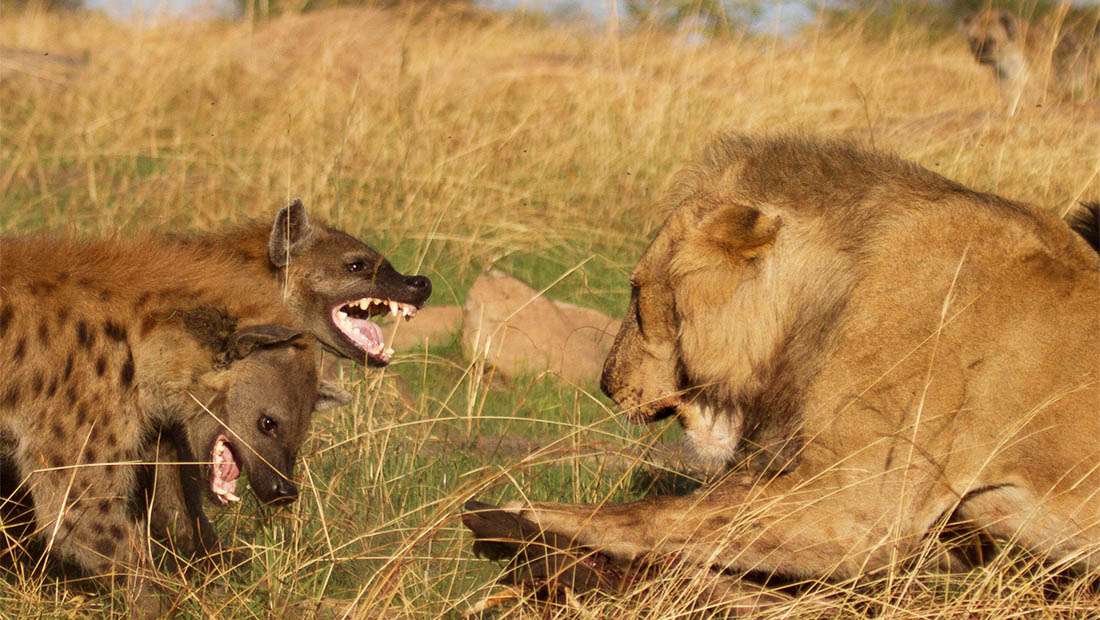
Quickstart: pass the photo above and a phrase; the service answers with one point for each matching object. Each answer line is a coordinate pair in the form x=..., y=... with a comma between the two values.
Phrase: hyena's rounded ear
x=330, y=395
x=288, y=234
x=248, y=339
x=964, y=23
x=1008, y=22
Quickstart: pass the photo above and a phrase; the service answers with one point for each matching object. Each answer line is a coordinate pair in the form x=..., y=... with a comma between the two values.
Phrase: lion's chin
x=713, y=434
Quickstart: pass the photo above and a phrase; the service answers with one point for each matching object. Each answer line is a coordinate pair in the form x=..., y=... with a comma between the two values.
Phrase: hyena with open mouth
x=103, y=352
x=98, y=342
x=331, y=282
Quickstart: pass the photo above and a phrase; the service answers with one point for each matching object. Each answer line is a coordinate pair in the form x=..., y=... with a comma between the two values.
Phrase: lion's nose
x=605, y=384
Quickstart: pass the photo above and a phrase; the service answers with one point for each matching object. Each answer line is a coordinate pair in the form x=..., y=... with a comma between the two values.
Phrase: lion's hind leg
x=1058, y=526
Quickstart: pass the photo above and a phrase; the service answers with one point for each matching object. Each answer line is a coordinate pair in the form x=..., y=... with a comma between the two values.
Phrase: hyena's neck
x=1012, y=70
x=244, y=247
x=86, y=327
x=139, y=282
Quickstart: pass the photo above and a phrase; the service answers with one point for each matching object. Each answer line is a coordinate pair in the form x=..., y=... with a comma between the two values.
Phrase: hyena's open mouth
x=224, y=471
x=353, y=321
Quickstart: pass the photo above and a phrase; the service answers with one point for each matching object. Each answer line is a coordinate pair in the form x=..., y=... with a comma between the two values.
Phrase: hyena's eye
x=356, y=266
x=268, y=426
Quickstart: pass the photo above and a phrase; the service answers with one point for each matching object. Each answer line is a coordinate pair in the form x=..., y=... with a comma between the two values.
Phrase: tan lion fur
x=934, y=350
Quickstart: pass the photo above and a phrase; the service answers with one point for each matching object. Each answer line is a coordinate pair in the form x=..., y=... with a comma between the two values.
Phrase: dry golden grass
x=454, y=141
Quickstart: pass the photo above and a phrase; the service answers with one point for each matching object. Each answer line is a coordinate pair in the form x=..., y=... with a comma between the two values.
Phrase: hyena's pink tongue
x=366, y=334
x=223, y=481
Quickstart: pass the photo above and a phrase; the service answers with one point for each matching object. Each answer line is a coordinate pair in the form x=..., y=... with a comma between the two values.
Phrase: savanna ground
x=453, y=141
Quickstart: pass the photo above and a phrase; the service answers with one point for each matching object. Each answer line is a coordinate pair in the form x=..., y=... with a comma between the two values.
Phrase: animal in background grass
x=1032, y=59
x=890, y=347
x=105, y=352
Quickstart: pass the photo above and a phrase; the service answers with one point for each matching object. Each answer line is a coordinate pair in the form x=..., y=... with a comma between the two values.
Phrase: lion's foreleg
x=785, y=525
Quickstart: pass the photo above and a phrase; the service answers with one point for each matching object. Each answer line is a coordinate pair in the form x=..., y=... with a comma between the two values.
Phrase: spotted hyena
x=322, y=281
x=245, y=409
x=331, y=282
x=1034, y=60
x=103, y=348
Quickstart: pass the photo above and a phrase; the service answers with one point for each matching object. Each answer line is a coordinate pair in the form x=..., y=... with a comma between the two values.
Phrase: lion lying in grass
x=893, y=347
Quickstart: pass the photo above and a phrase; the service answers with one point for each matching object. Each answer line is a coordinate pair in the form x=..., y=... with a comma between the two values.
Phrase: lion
x=898, y=348
x=1033, y=59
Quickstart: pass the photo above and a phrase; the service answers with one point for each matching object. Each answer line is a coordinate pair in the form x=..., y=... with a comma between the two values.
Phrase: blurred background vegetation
x=714, y=16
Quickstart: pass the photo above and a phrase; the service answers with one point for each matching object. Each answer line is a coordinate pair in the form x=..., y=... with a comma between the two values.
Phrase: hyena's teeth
x=393, y=308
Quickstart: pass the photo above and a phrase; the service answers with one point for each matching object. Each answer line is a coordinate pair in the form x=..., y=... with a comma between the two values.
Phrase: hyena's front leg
x=84, y=514
x=823, y=526
x=174, y=493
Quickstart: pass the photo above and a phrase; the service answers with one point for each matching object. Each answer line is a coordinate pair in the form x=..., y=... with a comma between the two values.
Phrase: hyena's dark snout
x=272, y=481
x=984, y=50
x=420, y=288
x=282, y=492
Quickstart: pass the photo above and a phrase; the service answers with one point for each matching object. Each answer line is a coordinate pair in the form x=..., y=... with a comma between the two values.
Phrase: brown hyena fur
x=1052, y=59
x=96, y=356
x=262, y=386
x=312, y=272
x=318, y=272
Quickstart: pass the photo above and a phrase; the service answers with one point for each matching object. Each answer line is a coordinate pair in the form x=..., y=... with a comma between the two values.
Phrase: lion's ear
x=725, y=237
x=740, y=230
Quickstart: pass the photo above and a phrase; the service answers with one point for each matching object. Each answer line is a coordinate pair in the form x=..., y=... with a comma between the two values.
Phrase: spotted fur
x=103, y=348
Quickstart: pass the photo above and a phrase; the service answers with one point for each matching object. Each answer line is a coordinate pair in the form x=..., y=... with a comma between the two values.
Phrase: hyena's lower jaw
x=224, y=471
x=352, y=320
